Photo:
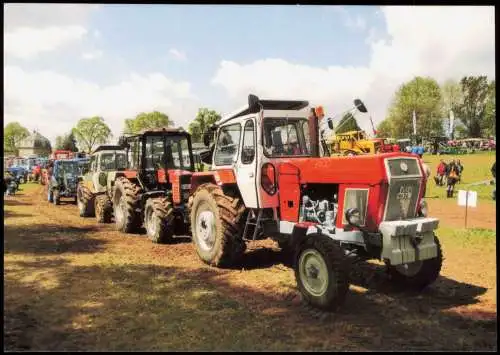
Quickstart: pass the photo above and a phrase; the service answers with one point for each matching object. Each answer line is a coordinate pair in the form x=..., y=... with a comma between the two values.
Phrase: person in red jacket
x=36, y=172
x=441, y=172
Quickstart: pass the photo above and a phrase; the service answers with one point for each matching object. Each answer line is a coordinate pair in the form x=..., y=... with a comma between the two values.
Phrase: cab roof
x=107, y=147
x=284, y=105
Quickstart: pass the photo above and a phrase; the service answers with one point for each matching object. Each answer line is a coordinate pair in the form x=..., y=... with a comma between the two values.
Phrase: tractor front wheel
x=159, y=220
x=56, y=197
x=126, y=201
x=216, y=225
x=419, y=274
x=85, y=201
x=322, y=273
x=103, y=209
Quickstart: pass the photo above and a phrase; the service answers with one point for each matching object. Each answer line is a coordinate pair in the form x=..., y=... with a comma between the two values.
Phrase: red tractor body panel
x=360, y=172
x=62, y=154
x=175, y=178
x=220, y=177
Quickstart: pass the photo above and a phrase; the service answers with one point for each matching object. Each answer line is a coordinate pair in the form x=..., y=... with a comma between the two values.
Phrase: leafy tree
x=67, y=142
x=452, y=95
x=149, y=120
x=490, y=114
x=204, y=119
x=347, y=123
x=385, y=129
x=14, y=133
x=91, y=131
x=424, y=96
x=472, y=109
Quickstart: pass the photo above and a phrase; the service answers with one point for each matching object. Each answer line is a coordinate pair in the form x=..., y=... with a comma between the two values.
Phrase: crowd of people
x=449, y=174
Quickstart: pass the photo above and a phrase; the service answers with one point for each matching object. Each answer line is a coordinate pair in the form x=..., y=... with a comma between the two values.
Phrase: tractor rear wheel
x=56, y=197
x=103, y=209
x=216, y=225
x=321, y=272
x=419, y=274
x=126, y=201
x=85, y=200
x=159, y=220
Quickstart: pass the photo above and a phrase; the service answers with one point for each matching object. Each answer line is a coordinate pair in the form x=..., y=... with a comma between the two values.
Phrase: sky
x=63, y=62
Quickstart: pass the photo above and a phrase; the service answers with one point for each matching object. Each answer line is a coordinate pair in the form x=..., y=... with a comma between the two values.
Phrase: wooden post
x=466, y=205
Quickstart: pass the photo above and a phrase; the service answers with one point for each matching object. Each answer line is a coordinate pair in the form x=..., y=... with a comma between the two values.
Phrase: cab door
x=246, y=165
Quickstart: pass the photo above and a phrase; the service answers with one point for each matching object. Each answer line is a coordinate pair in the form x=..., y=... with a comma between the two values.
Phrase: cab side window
x=227, y=144
x=248, y=148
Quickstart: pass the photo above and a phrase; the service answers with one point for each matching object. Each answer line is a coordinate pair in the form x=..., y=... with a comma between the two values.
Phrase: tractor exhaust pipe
x=314, y=131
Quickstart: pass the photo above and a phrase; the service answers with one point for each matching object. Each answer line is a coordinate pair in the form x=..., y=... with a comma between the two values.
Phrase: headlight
x=353, y=216
x=356, y=199
x=423, y=208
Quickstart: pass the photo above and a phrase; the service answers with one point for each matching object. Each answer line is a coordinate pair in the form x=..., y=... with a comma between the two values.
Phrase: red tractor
x=268, y=180
x=154, y=189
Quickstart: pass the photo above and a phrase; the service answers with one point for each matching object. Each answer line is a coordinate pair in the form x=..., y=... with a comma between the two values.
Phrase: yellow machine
x=352, y=142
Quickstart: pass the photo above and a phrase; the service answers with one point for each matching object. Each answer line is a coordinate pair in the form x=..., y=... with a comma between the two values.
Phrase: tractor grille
x=405, y=179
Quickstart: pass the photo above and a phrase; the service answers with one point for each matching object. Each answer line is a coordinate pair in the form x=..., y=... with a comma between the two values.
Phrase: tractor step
x=256, y=221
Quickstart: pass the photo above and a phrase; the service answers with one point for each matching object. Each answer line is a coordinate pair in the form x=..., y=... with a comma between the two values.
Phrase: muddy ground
x=72, y=284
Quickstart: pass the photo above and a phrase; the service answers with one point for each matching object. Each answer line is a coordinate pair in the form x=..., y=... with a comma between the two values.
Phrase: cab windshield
x=286, y=137
x=68, y=168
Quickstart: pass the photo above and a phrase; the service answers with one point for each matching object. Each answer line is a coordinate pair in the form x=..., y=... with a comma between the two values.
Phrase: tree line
x=472, y=100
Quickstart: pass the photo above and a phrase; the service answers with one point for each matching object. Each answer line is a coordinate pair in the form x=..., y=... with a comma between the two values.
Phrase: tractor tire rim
x=410, y=269
x=313, y=272
x=120, y=212
x=205, y=230
x=151, y=220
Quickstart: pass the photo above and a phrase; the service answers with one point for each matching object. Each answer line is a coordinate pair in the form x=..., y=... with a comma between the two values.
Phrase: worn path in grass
x=72, y=284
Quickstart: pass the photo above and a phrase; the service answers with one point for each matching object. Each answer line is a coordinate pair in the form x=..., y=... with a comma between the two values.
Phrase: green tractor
x=95, y=186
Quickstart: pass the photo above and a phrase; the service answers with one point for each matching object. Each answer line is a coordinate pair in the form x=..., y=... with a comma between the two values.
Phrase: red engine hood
x=366, y=169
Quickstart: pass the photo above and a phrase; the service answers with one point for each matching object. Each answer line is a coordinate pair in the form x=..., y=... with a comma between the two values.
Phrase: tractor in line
x=268, y=179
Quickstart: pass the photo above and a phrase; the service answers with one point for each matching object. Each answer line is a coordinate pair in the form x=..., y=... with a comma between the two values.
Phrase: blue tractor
x=64, y=179
x=19, y=173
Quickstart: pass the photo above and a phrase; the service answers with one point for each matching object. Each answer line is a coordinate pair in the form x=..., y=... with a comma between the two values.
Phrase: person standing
x=451, y=178
x=460, y=170
x=441, y=171
x=494, y=173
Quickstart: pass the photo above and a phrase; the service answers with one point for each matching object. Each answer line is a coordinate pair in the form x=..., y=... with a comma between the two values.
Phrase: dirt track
x=70, y=261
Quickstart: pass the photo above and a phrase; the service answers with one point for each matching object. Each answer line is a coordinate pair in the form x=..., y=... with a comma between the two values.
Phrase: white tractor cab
x=268, y=180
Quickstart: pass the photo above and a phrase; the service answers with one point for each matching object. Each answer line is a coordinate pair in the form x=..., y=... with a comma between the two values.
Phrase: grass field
x=476, y=168
x=71, y=284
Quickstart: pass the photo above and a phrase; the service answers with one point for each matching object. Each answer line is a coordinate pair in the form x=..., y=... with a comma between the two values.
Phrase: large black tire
x=218, y=240
x=321, y=272
x=159, y=220
x=56, y=197
x=126, y=201
x=103, y=209
x=85, y=201
x=418, y=276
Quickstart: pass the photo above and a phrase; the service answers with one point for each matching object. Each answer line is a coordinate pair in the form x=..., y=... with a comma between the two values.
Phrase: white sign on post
x=467, y=198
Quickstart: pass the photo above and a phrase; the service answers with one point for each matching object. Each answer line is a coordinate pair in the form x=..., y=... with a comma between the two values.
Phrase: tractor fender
x=222, y=178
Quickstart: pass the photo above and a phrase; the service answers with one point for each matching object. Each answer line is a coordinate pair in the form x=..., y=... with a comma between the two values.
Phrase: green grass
x=476, y=168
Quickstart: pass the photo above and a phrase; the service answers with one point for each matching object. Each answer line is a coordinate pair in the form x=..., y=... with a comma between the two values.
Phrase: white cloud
x=177, y=54
x=92, y=55
x=26, y=42
x=55, y=102
x=44, y=15
x=442, y=42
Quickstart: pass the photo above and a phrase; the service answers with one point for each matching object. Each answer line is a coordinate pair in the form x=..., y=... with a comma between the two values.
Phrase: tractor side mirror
x=360, y=106
x=253, y=100
x=206, y=139
x=330, y=123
